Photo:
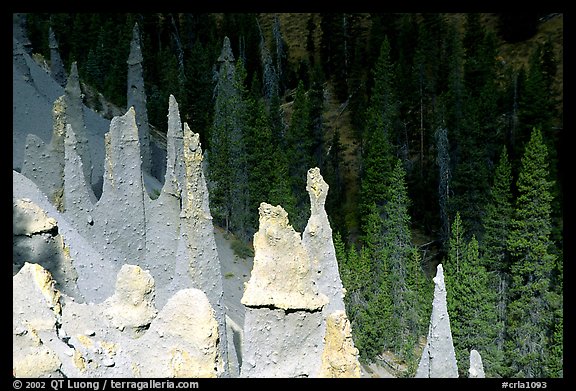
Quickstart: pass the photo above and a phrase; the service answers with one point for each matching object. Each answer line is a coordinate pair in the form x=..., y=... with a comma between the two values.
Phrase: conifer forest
x=439, y=136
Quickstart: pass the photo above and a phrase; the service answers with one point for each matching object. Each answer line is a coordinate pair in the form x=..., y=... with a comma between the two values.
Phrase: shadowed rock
x=56, y=65
x=438, y=357
x=70, y=257
x=136, y=97
x=29, y=219
x=317, y=239
x=19, y=31
x=44, y=164
x=476, y=369
x=19, y=59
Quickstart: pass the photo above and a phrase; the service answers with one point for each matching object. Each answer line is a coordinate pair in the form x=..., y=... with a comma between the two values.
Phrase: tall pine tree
x=530, y=315
x=227, y=155
x=471, y=303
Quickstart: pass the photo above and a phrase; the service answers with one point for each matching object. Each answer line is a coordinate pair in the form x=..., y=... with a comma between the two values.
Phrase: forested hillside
x=438, y=134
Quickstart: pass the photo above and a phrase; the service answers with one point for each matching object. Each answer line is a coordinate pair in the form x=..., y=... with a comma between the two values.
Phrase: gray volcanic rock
x=438, y=357
x=19, y=31
x=44, y=163
x=63, y=251
x=317, y=239
x=36, y=312
x=124, y=336
x=56, y=65
x=283, y=325
x=120, y=210
x=132, y=305
x=278, y=343
x=75, y=117
x=183, y=341
x=476, y=369
x=136, y=97
x=29, y=219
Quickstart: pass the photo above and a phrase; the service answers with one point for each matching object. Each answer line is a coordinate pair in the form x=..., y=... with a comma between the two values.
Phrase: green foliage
x=472, y=303
x=299, y=148
x=380, y=120
x=529, y=321
x=241, y=249
x=499, y=213
x=227, y=155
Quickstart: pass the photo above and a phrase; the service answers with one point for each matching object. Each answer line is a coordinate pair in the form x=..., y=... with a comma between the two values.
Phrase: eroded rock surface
x=282, y=276
x=438, y=357
x=283, y=325
x=55, y=336
x=317, y=239
x=476, y=369
x=136, y=97
x=340, y=356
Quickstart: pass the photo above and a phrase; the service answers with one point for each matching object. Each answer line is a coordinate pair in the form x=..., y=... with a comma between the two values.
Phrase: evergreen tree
x=227, y=156
x=380, y=120
x=199, y=87
x=530, y=312
x=499, y=214
x=260, y=152
x=397, y=249
x=299, y=148
x=471, y=303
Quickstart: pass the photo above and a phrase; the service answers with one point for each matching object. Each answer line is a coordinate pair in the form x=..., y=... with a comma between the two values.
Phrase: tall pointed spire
x=56, y=65
x=136, y=97
x=438, y=357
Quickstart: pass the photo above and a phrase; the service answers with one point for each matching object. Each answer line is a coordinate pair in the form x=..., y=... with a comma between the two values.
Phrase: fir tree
x=397, y=249
x=380, y=119
x=299, y=147
x=495, y=256
x=530, y=316
x=471, y=302
x=227, y=157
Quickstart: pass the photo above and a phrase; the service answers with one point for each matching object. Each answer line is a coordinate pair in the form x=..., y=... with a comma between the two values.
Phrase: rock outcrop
x=317, y=239
x=36, y=312
x=44, y=163
x=476, y=369
x=69, y=256
x=56, y=65
x=75, y=117
x=54, y=336
x=137, y=97
x=131, y=308
x=340, y=356
x=282, y=276
x=182, y=341
x=438, y=357
x=283, y=325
